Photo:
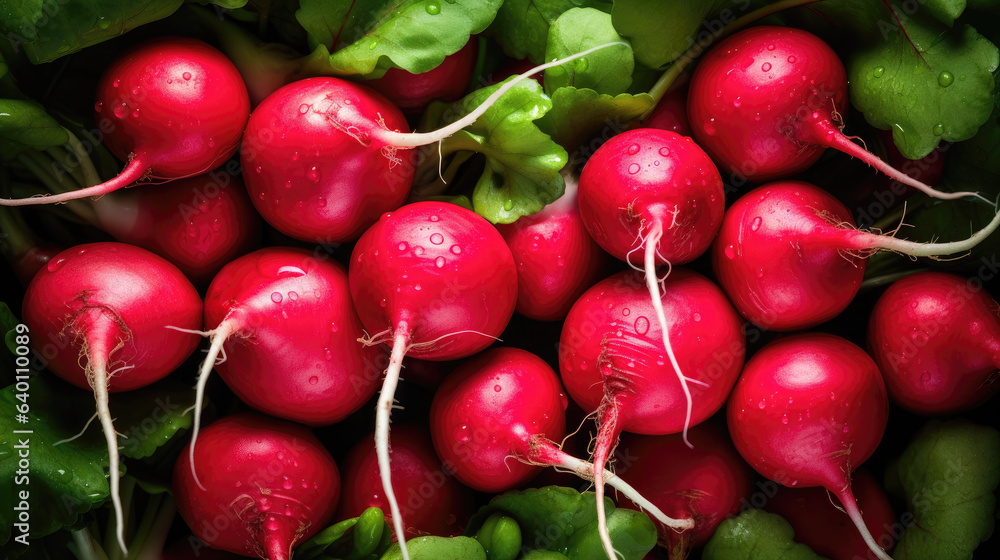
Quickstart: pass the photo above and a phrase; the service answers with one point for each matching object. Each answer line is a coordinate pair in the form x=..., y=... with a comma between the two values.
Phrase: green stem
x=439, y=186
x=39, y=166
x=662, y=85
x=87, y=549
x=59, y=159
x=146, y=522
x=151, y=537
x=90, y=177
x=886, y=279
x=110, y=536
x=17, y=238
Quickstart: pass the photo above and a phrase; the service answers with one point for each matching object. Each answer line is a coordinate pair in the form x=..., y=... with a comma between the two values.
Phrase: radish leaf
x=949, y=474
x=937, y=88
x=438, y=548
x=25, y=124
x=756, y=535
x=522, y=26
x=368, y=38
x=607, y=71
x=578, y=115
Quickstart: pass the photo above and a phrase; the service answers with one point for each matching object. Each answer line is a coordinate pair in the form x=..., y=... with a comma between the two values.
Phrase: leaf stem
x=87, y=549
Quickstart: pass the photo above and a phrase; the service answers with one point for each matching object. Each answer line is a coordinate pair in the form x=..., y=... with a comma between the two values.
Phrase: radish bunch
x=640, y=292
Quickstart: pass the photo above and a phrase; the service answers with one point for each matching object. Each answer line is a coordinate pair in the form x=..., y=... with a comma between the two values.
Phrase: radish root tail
x=401, y=340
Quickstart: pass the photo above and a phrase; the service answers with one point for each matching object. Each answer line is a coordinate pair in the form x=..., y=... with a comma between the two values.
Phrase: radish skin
x=107, y=305
x=808, y=410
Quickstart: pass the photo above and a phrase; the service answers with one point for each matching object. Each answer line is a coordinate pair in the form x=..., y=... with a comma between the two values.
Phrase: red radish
x=936, y=338
x=174, y=107
x=271, y=485
x=286, y=325
x=612, y=359
x=670, y=113
x=495, y=418
x=556, y=258
x=433, y=501
x=789, y=257
x=766, y=101
x=437, y=281
x=657, y=192
x=807, y=410
x=198, y=223
x=445, y=82
x=304, y=192
x=708, y=483
x=97, y=314
x=820, y=523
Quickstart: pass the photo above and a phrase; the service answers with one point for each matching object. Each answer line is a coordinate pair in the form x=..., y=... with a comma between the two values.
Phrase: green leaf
x=365, y=536
x=945, y=11
x=500, y=536
x=608, y=70
x=565, y=521
x=756, y=535
x=151, y=416
x=369, y=38
x=522, y=26
x=8, y=326
x=940, y=91
x=521, y=174
x=48, y=29
x=660, y=30
x=438, y=548
x=225, y=4
x=25, y=124
x=64, y=481
x=949, y=474
x=578, y=115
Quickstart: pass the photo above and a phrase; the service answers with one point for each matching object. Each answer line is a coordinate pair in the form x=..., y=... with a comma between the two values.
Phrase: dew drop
x=665, y=152
x=121, y=110
x=945, y=79
x=784, y=419
x=313, y=174
x=98, y=106
x=135, y=90
x=276, y=297
x=709, y=127
x=497, y=388
x=135, y=112
x=433, y=9
x=508, y=205
x=770, y=47
x=626, y=312
x=925, y=376
x=878, y=71
x=288, y=184
x=294, y=296
x=938, y=129
x=633, y=149
x=286, y=483
x=439, y=262
x=462, y=433
x=761, y=404
x=737, y=102
x=456, y=250
x=766, y=67
x=304, y=108
x=437, y=239
x=116, y=83
x=56, y=264
x=434, y=218
x=696, y=317
x=641, y=325
x=791, y=59
x=186, y=75
x=321, y=202
x=633, y=169
x=418, y=250
x=755, y=225
x=372, y=46
x=730, y=252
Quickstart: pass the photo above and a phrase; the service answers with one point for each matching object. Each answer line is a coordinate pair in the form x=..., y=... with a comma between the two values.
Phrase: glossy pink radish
x=98, y=315
x=612, y=360
x=808, y=410
x=790, y=258
x=445, y=82
x=766, y=102
x=936, y=338
x=173, y=107
x=270, y=486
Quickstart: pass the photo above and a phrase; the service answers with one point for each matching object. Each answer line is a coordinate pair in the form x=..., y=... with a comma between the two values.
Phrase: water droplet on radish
x=737, y=102
x=878, y=71
x=462, y=433
x=321, y=202
x=121, y=110
x=135, y=90
x=186, y=75
x=116, y=83
x=98, y=106
x=304, y=108
x=276, y=297
x=696, y=317
x=766, y=67
x=418, y=250
x=761, y=404
x=945, y=79
x=730, y=252
x=626, y=312
x=437, y=239
x=641, y=325
x=770, y=47
x=439, y=262
x=665, y=152
x=497, y=388
x=633, y=149
x=382, y=303
x=55, y=264
x=135, y=112
x=456, y=250
x=709, y=127
x=434, y=218
x=294, y=296
x=295, y=156
x=633, y=169
x=784, y=419
x=755, y=225
x=313, y=174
